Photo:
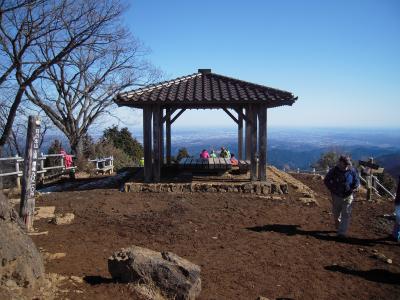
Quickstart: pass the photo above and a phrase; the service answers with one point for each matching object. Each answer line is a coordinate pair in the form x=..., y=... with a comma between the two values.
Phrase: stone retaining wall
x=247, y=188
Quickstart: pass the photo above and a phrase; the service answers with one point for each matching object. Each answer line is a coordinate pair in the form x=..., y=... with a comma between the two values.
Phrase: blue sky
x=341, y=58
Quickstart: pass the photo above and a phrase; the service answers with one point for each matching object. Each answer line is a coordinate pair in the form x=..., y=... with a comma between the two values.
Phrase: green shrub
x=327, y=160
x=123, y=140
x=106, y=149
x=182, y=152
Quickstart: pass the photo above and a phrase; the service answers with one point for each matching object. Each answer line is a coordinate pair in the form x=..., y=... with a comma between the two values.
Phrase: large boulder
x=20, y=261
x=174, y=276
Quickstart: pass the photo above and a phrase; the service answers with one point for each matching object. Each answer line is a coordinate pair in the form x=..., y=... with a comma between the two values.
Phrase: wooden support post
x=230, y=114
x=178, y=114
x=168, y=134
x=253, y=143
x=262, y=144
x=240, y=136
x=27, y=204
x=18, y=180
x=369, y=187
x=148, y=171
x=162, y=137
x=156, y=143
x=248, y=134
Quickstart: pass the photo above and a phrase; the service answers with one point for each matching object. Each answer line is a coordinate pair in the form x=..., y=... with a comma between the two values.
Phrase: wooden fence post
x=369, y=188
x=18, y=181
x=27, y=205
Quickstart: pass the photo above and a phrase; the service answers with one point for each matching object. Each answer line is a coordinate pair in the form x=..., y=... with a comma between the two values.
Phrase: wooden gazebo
x=164, y=102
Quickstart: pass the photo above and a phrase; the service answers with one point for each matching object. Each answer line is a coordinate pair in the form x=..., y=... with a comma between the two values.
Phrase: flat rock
x=53, y=256
x=63, y=219
x=173, y=276
x=44, y=212
x=308, y=201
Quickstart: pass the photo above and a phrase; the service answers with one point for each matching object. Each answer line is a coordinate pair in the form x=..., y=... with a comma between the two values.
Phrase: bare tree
x=77, y=91
x=35, y=35
x=16, y=141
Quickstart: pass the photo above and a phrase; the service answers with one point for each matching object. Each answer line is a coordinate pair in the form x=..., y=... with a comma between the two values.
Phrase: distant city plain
x=290, y=147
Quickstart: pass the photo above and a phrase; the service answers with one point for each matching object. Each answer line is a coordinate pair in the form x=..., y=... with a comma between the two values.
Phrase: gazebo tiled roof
x=205, y=89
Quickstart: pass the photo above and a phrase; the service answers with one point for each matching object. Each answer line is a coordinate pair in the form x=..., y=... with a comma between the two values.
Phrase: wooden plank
x=27, y=204
x=242, y=164
x=219, y=163
x=222, y=163
x=199, y=163
x=205, y=164
x=216, y=163
x=211, y=163
x=228, y=163
x=262, y=145
x=368, y=164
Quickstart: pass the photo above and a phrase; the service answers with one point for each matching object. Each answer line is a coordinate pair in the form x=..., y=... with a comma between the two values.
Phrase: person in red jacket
x=204, y=154
x=234, y=161
x=67, y=159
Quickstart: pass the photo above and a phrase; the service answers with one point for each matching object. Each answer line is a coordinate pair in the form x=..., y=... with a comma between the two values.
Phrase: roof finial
x=204, y=71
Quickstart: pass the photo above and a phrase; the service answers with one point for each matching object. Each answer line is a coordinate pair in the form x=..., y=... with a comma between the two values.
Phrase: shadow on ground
x=95, y=280
x=325, y=235
x=375, y=275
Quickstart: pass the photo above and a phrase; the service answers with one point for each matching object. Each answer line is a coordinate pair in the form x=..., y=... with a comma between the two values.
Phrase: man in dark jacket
x=342, y=181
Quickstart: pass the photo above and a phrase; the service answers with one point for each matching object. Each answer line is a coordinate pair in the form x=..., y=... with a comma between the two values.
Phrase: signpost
x=369, y=168
x=27, y=205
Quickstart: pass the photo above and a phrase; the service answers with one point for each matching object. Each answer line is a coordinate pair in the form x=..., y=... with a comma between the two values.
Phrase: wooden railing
x=41, y=169
x=104, y=165
x=375, y=183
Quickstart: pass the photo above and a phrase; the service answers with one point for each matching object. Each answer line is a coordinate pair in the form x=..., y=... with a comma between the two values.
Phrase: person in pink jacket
x=204, y=154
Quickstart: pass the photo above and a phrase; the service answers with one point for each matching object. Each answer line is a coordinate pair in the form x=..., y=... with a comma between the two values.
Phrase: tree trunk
x=11, y=117
x=76, y=146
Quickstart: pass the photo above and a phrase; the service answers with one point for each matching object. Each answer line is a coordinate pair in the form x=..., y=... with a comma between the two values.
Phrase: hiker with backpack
x=342, y=181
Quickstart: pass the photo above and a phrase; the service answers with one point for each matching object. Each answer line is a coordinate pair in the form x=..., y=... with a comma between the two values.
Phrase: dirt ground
x=247, y=245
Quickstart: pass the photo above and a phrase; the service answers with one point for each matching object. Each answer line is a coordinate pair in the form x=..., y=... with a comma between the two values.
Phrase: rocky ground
x=247, y=245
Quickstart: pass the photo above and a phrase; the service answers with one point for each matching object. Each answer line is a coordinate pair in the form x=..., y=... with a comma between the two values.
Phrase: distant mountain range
x=391, y=163
x=291, y=147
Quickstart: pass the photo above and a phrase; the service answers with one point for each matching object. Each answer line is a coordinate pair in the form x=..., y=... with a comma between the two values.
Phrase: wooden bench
x=209, y=164
x=244, y=166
